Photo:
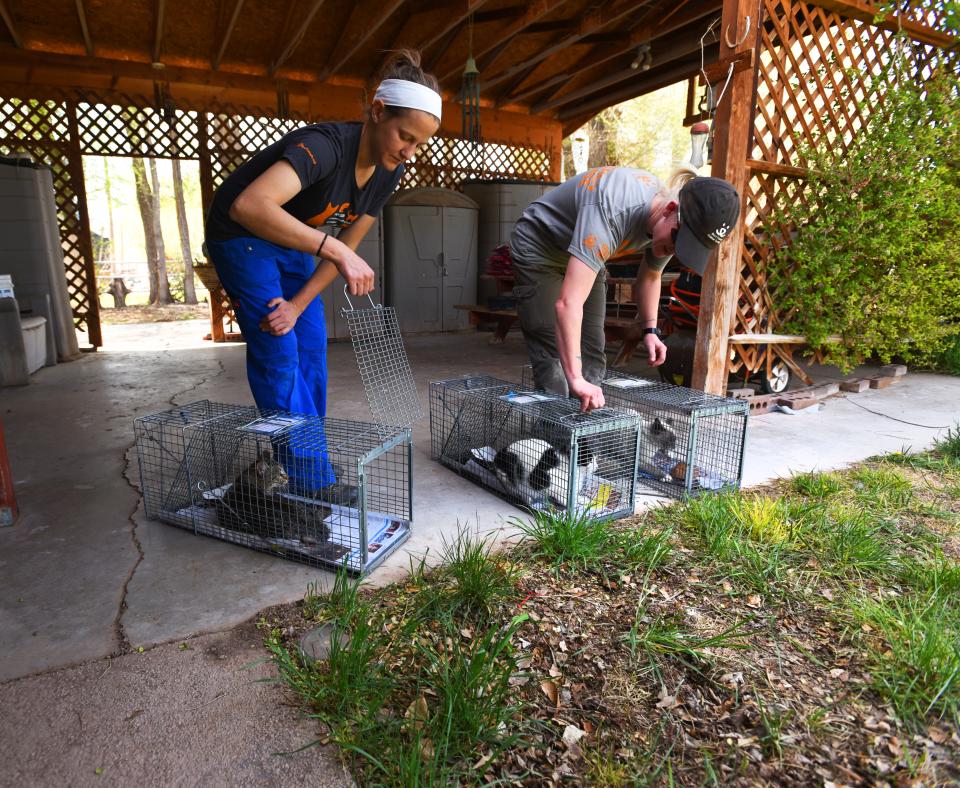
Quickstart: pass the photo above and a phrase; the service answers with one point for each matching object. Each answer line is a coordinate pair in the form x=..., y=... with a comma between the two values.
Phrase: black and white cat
x=535, y=471
x=254, y=505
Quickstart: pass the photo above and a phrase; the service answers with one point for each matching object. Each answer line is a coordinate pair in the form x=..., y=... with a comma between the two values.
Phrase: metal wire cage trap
x=535, y=449
x=690, y=442
x=384, y=368
x=326, y=492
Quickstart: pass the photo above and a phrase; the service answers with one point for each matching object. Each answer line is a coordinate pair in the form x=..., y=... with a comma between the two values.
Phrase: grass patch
x=916, y=667
x=727, y=639
x=566, y=541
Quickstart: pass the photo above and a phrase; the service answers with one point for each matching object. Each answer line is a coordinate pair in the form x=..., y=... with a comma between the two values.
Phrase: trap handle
x=346, y=294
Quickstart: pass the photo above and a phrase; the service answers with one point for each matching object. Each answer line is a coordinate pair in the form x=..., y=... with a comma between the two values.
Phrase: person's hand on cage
x=354, y=269
x=281, y=319
x=590, y=396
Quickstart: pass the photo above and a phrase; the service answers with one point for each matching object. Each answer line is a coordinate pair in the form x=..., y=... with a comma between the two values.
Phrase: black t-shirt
x=324, y=156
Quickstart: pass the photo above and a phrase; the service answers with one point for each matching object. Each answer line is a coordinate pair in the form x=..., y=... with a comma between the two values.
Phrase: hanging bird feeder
x=470, y=96
x=699, y=133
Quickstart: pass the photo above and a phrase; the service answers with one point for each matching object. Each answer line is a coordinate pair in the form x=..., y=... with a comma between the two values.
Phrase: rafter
x=648, y=82
x=338, y=60
x=452, y=26
x=678, y=48
x=536, y=11
x=158, y=30
x=228, y=31
x=640, y=34
x=296, y=39
x=591, y=24
x=8, y=21
x=82, y=16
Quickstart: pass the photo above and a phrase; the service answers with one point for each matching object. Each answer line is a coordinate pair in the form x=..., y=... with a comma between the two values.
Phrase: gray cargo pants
x=537, y=291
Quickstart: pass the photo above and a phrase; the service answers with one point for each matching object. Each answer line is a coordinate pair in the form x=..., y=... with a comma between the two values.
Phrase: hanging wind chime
x=470, y=96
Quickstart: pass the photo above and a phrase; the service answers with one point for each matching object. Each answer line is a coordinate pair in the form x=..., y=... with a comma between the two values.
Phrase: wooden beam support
x=641, y=34
x=733, y=122
x=12, y=28
x=228, y=31
x=340, y=58
x=867, y=12
x=158, y=31
x=534, y=13
x=680, y=47
x=452, y=26
x=592, y=23
x=643, y=83
x=84, y=29
x=296, y=39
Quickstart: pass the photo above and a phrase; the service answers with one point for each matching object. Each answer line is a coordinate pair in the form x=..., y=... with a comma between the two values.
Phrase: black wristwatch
x=654, y=330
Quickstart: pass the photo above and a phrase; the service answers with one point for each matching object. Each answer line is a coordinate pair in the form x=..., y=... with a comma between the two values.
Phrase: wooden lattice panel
x=447, y=162
x=125, y=129
x=43, y=129
x=815, y=69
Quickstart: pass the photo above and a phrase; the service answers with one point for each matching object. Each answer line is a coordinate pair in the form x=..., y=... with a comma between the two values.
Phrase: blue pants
x=289, y=372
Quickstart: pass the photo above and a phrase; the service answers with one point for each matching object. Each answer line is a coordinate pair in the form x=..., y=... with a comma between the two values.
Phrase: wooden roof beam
x=225, y=38
x=342, y=55
x=452, y=26
x=592, y=23
x=692, y=18
x=576, y=115
x=11, y=27
x=296, y=39
x=534, y=13
x=865, y=12
x=681, y=49
x=82, y=16
x=158, y=30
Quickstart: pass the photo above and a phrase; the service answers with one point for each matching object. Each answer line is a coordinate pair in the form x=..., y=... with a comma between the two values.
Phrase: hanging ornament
x=470, y=96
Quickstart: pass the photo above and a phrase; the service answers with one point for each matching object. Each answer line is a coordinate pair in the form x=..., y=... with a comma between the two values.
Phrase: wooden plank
x=536, y=11
x=225, y=37
x=867, y=12
x=772, y=168
x=594, y=21
x=158, y=30
x=11, y=27
x=733, y=124
x=775, y=339
x=296, y=39
x=82, y=16
x=340, y=58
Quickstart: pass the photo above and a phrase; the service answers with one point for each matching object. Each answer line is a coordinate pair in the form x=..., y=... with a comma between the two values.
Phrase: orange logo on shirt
x=603, y=252
x=309, y=153
x=590, y=241
x=591, y=178
x=337, y=215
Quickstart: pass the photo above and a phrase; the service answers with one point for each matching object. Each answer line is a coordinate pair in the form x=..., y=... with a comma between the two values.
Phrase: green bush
x=875, y=233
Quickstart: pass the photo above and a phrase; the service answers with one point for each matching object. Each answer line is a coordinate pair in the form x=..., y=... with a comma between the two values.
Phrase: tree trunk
x=189, y=291
x=163, y=282
x=145, y=203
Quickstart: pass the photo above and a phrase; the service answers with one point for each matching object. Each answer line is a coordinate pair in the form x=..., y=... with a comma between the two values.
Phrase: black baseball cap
x=709, y=208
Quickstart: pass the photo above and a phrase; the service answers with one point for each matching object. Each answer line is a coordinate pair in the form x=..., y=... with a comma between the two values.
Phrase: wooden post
x=733, y=122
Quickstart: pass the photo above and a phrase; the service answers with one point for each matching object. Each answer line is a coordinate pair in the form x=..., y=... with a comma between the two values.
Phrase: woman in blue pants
x=270, y=234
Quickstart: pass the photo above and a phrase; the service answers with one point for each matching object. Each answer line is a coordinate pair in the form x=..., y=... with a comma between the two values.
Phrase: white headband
x=412, y=95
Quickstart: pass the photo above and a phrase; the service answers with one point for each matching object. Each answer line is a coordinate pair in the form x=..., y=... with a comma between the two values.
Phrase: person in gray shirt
x=563, y=240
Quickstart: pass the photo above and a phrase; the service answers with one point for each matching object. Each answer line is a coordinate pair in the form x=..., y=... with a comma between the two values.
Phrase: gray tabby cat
x=253, y=505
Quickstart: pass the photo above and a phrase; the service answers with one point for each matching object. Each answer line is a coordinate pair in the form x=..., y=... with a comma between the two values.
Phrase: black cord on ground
x=894, y=418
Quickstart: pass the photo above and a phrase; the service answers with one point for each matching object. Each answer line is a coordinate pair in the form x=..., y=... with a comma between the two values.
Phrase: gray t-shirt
x=595, y=216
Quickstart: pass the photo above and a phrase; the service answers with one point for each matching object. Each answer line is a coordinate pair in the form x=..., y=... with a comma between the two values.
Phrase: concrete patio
x=85, y=576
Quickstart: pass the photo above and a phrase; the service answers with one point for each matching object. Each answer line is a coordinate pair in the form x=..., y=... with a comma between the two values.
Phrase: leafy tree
x=871, y=250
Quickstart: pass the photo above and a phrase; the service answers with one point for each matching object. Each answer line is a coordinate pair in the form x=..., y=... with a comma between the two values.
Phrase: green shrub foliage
x=875, y=242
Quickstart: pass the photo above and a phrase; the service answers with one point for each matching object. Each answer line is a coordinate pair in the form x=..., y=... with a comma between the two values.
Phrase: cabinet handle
x=440, y=262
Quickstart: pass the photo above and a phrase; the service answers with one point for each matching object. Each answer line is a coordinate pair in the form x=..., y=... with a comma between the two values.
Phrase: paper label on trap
x=525, y=398
x=627, y=383
x=269, y=425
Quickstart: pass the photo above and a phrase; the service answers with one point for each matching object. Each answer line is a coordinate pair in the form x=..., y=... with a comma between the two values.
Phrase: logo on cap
x=719, y=234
